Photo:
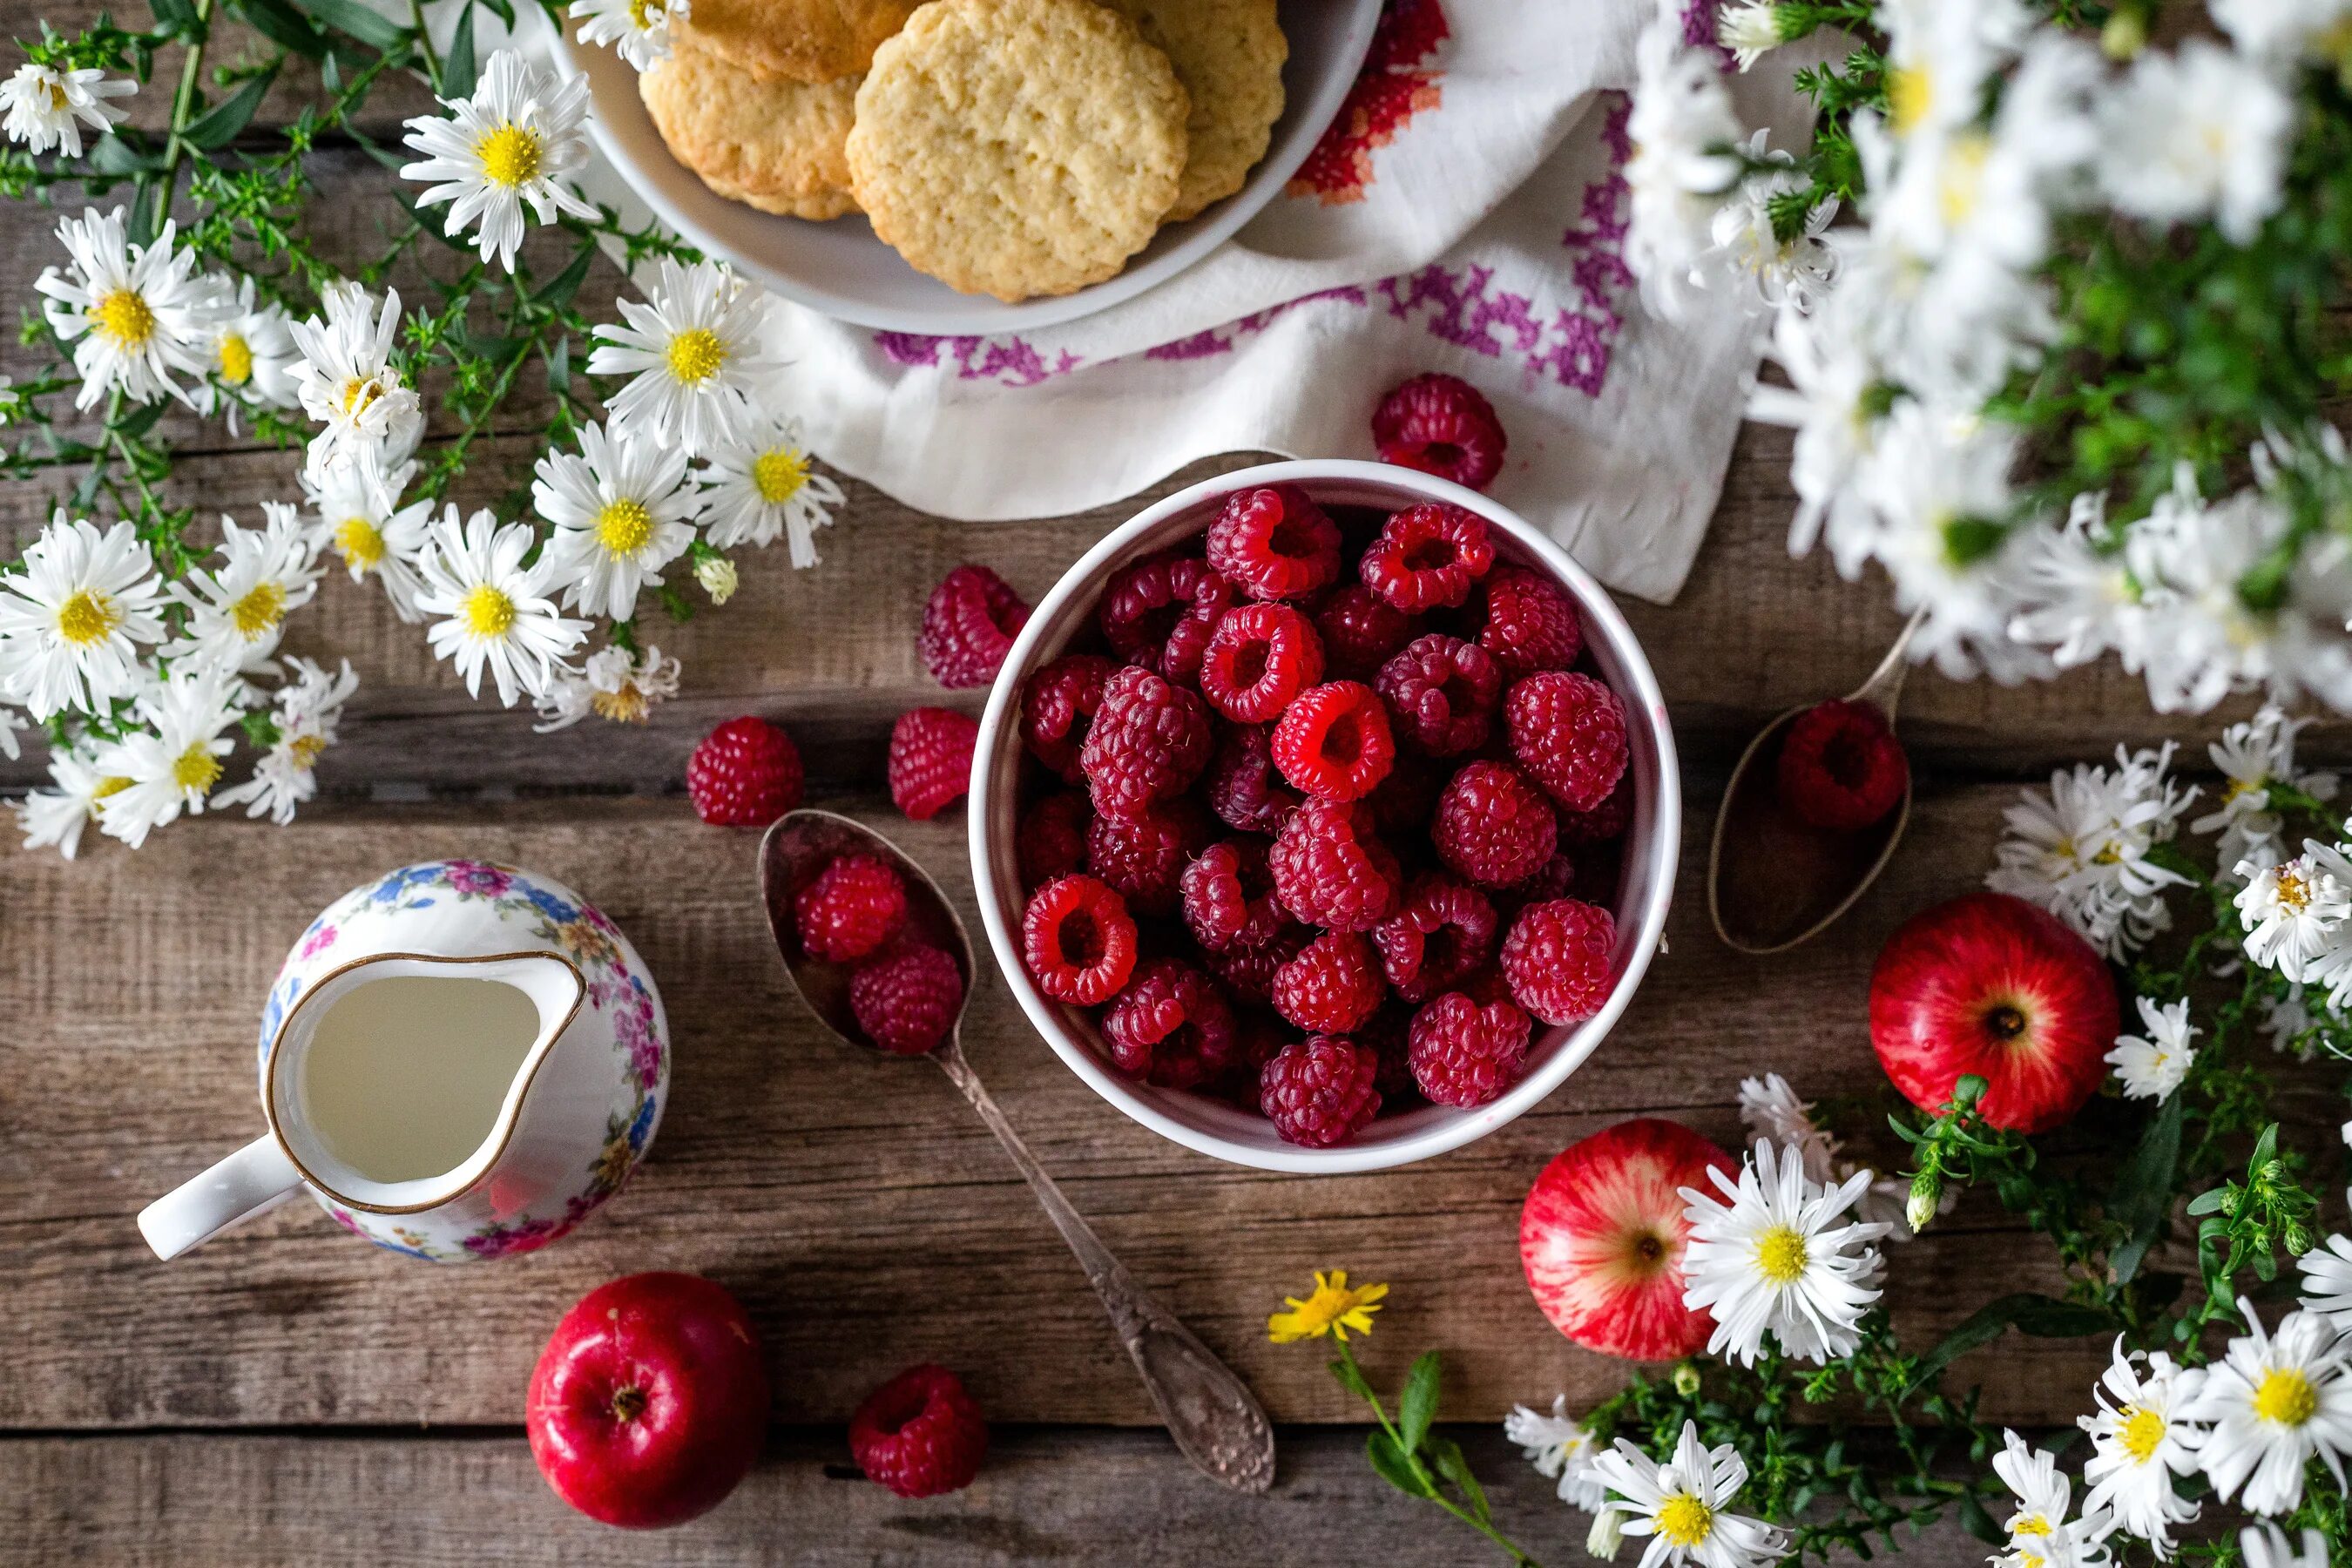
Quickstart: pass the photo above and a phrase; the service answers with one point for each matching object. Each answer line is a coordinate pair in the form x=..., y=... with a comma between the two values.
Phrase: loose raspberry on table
x=1443, y=933
x=1360, y=631
x=1605, y=823
x=1320, y=1090
x=1248, y=972
x=1259, y=658
x=1244, y=787
x=969, y=626
x=1441, y=425
x=1148, y=742
x=1530, y=623
x=930, y=760
x=1493, y=825
x=1078, y=940
x=919, y=1434
x=745, y=773
x=1557, y=958
x=1142, y=858
x=907, y=998
x=1228, y=896
x=1329, y=871
x=1569, y=732
x=1464, y=1054
x=1332, y=987
x=1333, y=743
x=1442, y=694
x=1841, y=767
x=1170, y=1026
x=1274, y=543
x=850, y=907
x=1052, y=838
x=1403, y=801
x=1427, y=556
x=1159, y=613
x=1058, y=703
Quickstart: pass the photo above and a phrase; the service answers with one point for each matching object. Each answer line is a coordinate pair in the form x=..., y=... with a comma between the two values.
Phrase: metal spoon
x=1210, y=1411
x=1773, y=880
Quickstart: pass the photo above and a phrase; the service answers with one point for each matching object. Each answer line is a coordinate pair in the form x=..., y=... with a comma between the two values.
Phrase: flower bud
x=1685, y=1380
x=718, y=576
x=1926, y=1192
x=2125, y=35
x=1604, y=1539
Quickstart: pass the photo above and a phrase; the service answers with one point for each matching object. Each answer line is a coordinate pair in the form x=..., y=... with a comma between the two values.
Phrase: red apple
x=650, y=1402
x=1990, y=985
x=1603, y=1234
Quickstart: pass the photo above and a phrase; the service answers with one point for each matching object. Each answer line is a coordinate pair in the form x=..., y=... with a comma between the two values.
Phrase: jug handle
x=252, y=1181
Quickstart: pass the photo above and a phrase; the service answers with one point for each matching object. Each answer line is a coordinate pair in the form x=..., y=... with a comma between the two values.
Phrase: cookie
x=1018, y=147
x=796, y=40
x=1229, y=55
x=776, y=145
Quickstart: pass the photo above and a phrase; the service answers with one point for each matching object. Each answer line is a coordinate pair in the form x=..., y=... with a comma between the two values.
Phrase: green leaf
x=1389, y=1464
x=119, y=154
x=1351, y=1376
x=566, y=283
x=2142, y=1195
x=132, y=425
x=219, y=125
x=1454, y=1465
x=558, y=364
x=1417, y=1406
x=86, y=490
x=2210, y=1200
x=1977, y=1522
x=2042, y=1316
x=457, y=60
x=178, y=18
x=278, y=22
x=354, y=20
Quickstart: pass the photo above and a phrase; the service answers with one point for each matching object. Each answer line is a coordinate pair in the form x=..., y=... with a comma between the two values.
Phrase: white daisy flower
x=1775, y=1259
x=2151, y=1065
x=638, y=30
x=2255, y=756
x=1770, y=1108
x=1682, y=1505
x=763, y=485
x=252, y=355
x=2139, y=1443
x=718, y=576
x=72, y=613
x=1831, y=379
x=2073, y=595
x=47, y=106
x=2286, y=1022
x=175, y=763
x=622, y=510
x=347, y=382
x=237, y=612
x=56, y=816
x=613, y=684
x=503, y=150
x=695, y=354
x=2200, y=132
x=136, y=315
x=2040, y=1533
x=2277, y=32
x=2327, y=1281
x=1796, y=270
x=2295, y=912
x=305, y=712
x=1561, y=1448
x=12, y=724
x=1749, y=30
x=355, y=510
x=2081, y=851
x=497, y=612
x=2266, y=1546
x=1940, y=54
x=1685, y=138
x=2274, y=1401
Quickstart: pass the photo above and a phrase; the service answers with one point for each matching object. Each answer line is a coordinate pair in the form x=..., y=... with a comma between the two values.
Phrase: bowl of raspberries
x=1325, y=816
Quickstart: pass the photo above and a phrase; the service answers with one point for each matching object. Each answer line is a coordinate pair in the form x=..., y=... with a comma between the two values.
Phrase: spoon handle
x=1211, y=1412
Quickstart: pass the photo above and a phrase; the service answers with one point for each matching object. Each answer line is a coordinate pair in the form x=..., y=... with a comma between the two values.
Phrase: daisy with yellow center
x=493, y=612
x=694, y=352
x=622, y=509
x=347, y=382
x=304, y=713
x=237, y=612
x=2295, y=912
x=1771, y=1255
x=354, y=510
x=2040, y=1535
x=174, y=763
x=2151, y=1065
x=1684, y=1505
x=138, y=318
x=763, y=486
x=48, y=108
x=73, y=615
x=252, y=356
x=1331, y=1309
x=55, y=818
x=2139, y=1442
x=615, y=684
x=638, y=30
x=506, y=150
x=2271, y=1404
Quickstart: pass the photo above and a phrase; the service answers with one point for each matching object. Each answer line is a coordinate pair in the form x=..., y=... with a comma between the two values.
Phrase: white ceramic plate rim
x=998, y=726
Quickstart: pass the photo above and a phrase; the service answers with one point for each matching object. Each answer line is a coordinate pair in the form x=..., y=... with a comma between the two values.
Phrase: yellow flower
x=1332, y=1309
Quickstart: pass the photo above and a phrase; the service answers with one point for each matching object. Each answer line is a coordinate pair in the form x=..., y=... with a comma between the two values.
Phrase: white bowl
x=840, y=268
x=1653, y=842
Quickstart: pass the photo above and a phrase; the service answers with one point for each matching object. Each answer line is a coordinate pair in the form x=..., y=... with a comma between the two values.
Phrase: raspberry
x=1332, y=987
x=1841, y=767
x=1441, y=425
x=1334, y=742
x=1259, y=658
x=919, y=1434
x=1557, y=958
x=1329, y=871
x=1248, y=972
x=1427, y=556
x=1442, y=694
x=1159, y=612
x=1406, y=797
x=1569, y=731
x=1170, y=1026
x=1466, y=1054
x=745, y=773
x=1360, y=631
x=1052, y=839
x=907, y=999
x=1441, y=933
x=1319, y=1091
x=1605, y=823
x=1188, y=641
x=1143, y=857
x=1078, y=940
x=930, y=760
x=852, y=907
x=1149, y=739
x=1274, y=543
x=1493, y=825
x=1552, y=879
x=1229, y=896
x=1530, y=624
x=969, y=626
x=1058, y=704
x=1245, y=790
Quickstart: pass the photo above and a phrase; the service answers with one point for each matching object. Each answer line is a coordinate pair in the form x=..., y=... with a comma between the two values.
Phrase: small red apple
x=1990, y=985
x=649, y=1402
x=1603, y=1234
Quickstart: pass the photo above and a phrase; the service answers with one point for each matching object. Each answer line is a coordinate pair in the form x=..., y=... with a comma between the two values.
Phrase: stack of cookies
x=1006, y=147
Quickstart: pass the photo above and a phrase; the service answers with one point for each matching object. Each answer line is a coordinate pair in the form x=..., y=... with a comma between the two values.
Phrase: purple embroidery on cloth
x=1011, y=360
x=1200, y=345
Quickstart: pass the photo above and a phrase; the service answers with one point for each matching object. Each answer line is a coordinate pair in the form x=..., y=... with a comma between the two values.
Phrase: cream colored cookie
x=1018, y=147
x=1229, y=56
x=796, y=40
x=775, y=145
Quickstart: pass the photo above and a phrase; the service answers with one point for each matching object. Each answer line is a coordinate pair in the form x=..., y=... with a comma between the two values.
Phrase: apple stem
x=629, y=1403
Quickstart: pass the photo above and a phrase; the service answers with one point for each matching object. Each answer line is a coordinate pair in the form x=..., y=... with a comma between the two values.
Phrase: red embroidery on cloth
x=1389, y=91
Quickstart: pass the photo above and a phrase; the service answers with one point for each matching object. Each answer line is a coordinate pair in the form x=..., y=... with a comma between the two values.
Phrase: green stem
x=425, y=45
x=1429, y=1483
x=183, y=104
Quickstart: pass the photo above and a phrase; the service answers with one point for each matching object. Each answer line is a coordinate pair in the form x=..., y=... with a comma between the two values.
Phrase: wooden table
x=286, y=1395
